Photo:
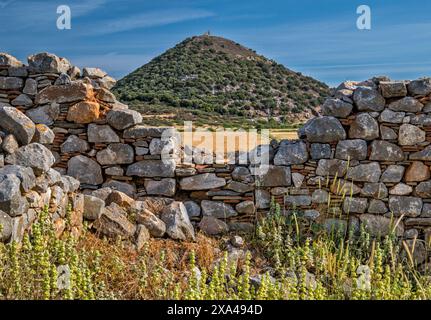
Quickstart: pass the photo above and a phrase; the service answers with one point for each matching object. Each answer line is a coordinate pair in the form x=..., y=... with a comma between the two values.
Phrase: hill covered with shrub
x=208, y=78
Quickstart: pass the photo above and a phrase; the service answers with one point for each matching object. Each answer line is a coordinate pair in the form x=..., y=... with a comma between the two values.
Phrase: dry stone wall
x=364, y=162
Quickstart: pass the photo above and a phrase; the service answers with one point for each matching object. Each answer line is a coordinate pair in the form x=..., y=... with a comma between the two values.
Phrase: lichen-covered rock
x=378, y=226
x=377, y=207
x=275, y=176
x=245, y=207
x=155, y=226
x=393, y=89
x=390, y=116
x=337, y=108
x=320, y=151
x=93, y=73
x=239, y=187
x=213, y=226
x=291, y=152
x=43, y=134
x=124, y=187
x=114, y=223
x=324, y=130
x=76, y=91
x=242, y=174
x=351, y=150
x=393, y=174
x=407, y=104
x=74, y=144
x=387, y=133
x=17, y=123
x=364, y=127
x=46, y=114
x=24, y=174
x=423, y=189
x=368, y=99
x=401, y=189
x=153, y=168
x=101, y=134
x=375, y=190
x=417, y=172
x=385, y=151
x=22, y=100
x=11, y=201
x=297, y=201
x=10, y=83
x=320, y=196
x=93, y=207
x=331, y=167
x=355, y=205
x=193, y=209
x=178, y=226
x=35, y=156
x=116, y=153
x=205, y=181
x=45, y=62
x=123, y=119
x=142, y=236
x=84, y=112
x=165, y=187
x=86, y=170
x=370, y=172
x=217, y=209
x=410, y=135
x=9, y=144
x=408, y=206
x=421, y=87
x=5, y=226
x=6, y=60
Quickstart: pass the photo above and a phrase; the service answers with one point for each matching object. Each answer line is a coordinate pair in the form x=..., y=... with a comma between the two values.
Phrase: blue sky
x=316, y=37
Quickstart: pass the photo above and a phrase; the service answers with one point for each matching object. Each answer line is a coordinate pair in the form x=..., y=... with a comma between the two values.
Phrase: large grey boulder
x=393, y=89
x=24, y=174
x=11, y=201
x=407, y=104
x=369, y=172
x=178, y=225
x=355, y=205
x=336, y=108
x=390, y=116
x=217, y=209
x=155, y=226
x=410, y=135
x=101, y=134
x=165, y=187
x=35, y=156
x=45, y=114
x=10, y=83
x=213, y=226
x=320, y=151
x=116, y=153
x=275, y=176
x=48, y=63
x=408, y=206
x=379, y=226
x=331, y=167
x=74, y=144
x=86, y=170
x=424, y=155
x=114, y=223
x=368, y=99
x=152, y=168
x=6, y=60
x=205, y=181
x=324, y=130
x=17, y=123
x=291, y=152
x=93, y=207
x=393, y=174
x=385, y=151
x=421, y=87
x=351, y=150
x=123, y=119
x=364, y=127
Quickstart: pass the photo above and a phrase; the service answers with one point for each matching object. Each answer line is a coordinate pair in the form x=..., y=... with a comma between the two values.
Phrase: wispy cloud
x=149, y=19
